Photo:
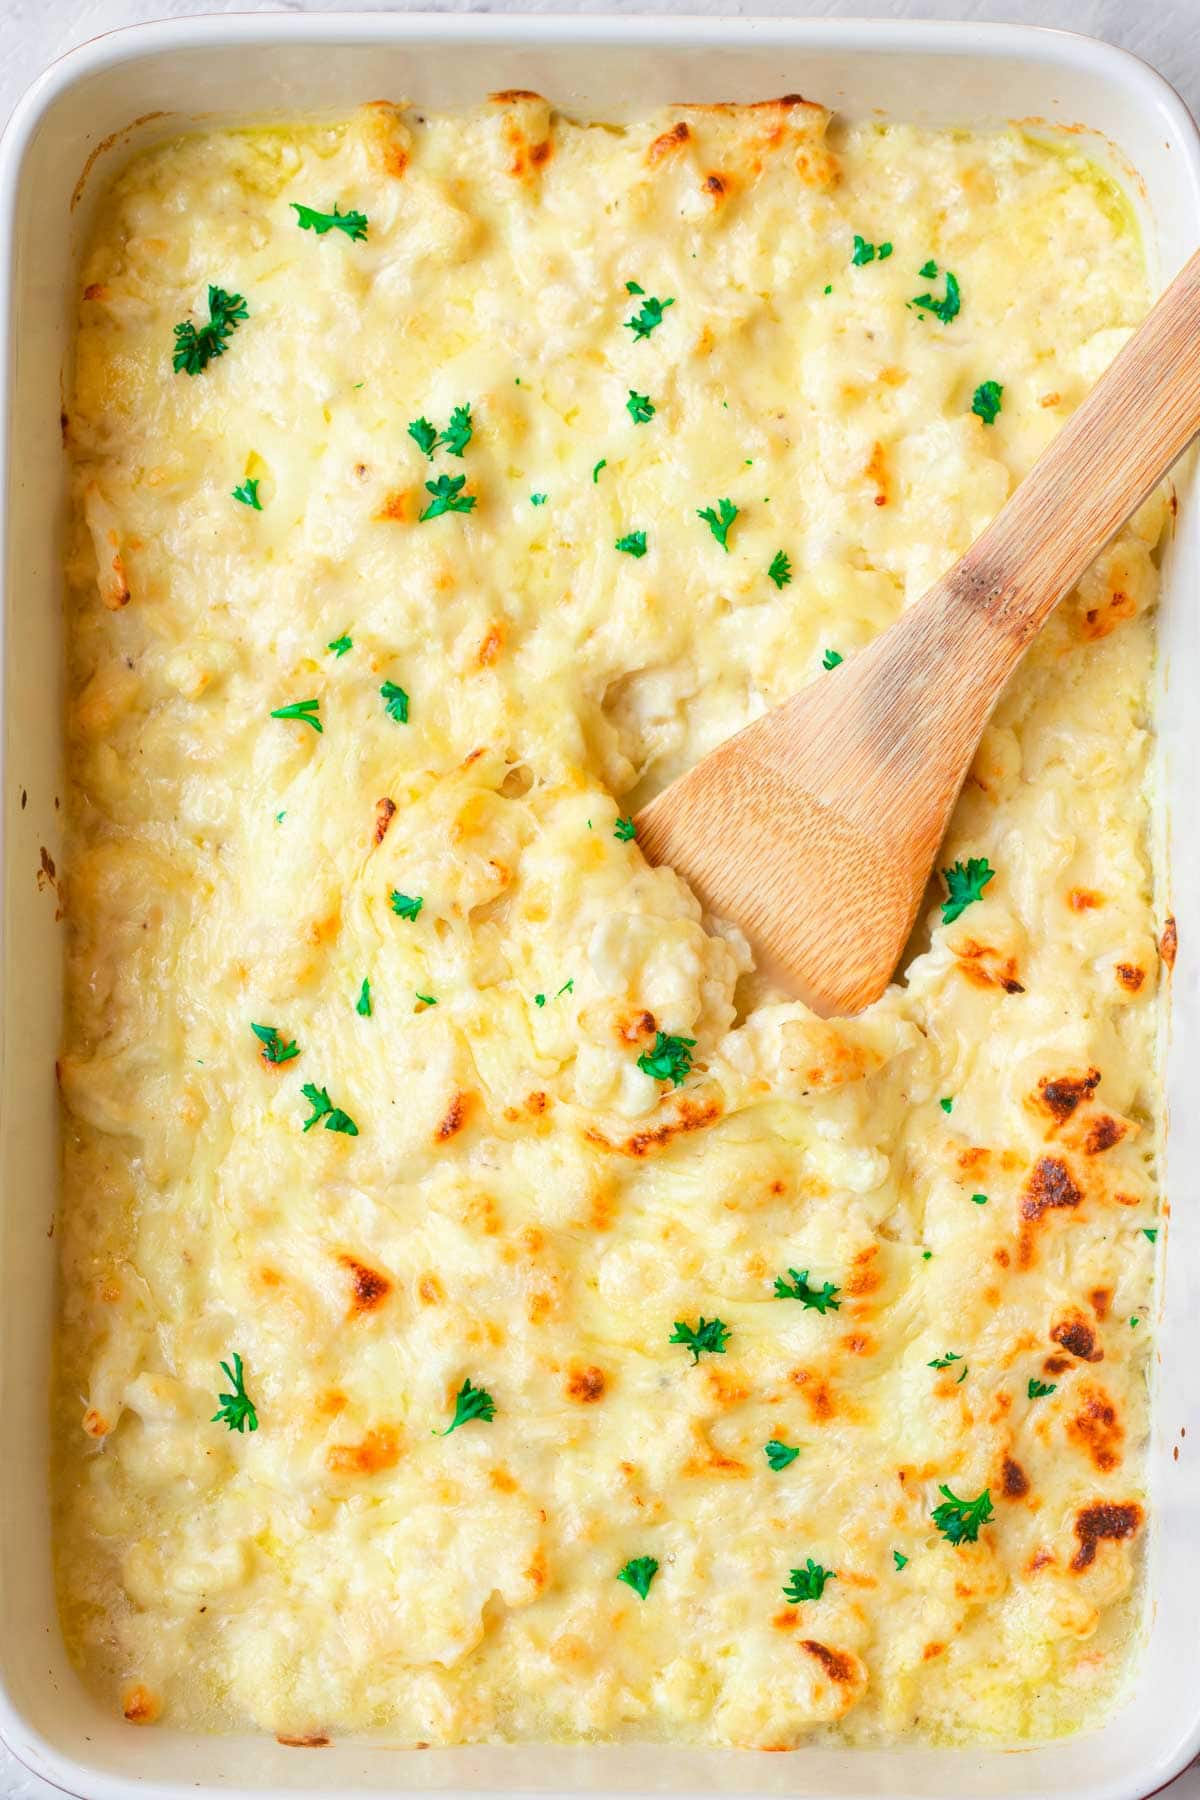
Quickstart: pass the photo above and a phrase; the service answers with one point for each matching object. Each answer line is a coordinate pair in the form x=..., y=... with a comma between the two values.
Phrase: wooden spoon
x=815, y=828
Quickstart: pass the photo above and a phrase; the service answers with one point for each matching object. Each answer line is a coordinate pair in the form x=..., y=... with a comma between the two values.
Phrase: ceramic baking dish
x=134, y=86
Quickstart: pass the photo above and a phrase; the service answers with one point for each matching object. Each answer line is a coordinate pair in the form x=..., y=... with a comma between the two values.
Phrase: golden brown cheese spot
x=724, y=1387
x=878, y=475
x=330, y=1403
x=140, y=1706
x=586, y=1384
x=690, y=1115
x=839, y=1665
x=386, y=137
x=1083, y=899
x=313, y=1740
x=430, y=1290
x=1098, y=621
x=1104, y=1520
x=1102, y=1134
x=1050, y=1187
x=491, y=646
x=819, y=1398
x=716, y=187
x=786, y=1620
x=1056, y=1365
x=1014, y=1482
x=1041, y=1559
x=1076, y=1335
x=385, y=812
x=396, y=505
x=1130, y=976
x=856, y=1343
x=1101, y=1299
x=1059, y=1095
x=379, y=1450
x=502, y=1481
x=667, y=141
x=95, y=1424
x=369, y=1288
x=537, y=1573
x=864, y=1278
x=932, y=1651
x=96, y=290
x=714, y=1461
x=983, y=966
x=1168, y=943
x=453, y=1119
x=1097, y=1429
x=510, y=96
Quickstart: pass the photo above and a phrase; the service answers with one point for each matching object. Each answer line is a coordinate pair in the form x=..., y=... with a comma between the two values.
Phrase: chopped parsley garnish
x=808, y=1583
x=719, y=519
x=602, y=464
x=538, y=499
x=539, y=999
x=959, y=1520
x=965, y=883
x=780, y=571
x=424, y=435
x=943, y=1362
x=1134, y=1321
x=1037, y=1390
x=362, y=1005
x=979, y=1199
x=447, y=497
x=625, y=830
x=633, y=543
x=670, y=1060
x=354, y=224
x=568, y=987
x=901, y=1562
x=648, y=318
x=928, y=270
x=303, y=710
x=780, y=1455
x=470, y=1403
x=1150, y=1232
x=395, y=702
x=638, y=1573
x=426, y=999
x=194, y=350
x=828, y=288
x=274, y=1049
x=865, y=252
x=986, y=401
x=405, y=906
x=634, y=287
x=323, y=1108
x=813, y=1299
x=707, y=1338
x=640, y=407
x=247, y=493
x=459, y=432
x=946, y=1103
x=340, y=645
x=947, y=307
x=237, y=1409
x=832, y=659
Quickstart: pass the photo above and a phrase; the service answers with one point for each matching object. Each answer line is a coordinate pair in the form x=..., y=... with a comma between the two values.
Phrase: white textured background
x=1165, y=32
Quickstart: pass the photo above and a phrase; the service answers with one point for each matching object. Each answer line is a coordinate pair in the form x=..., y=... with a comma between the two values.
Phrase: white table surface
x=1165, y=32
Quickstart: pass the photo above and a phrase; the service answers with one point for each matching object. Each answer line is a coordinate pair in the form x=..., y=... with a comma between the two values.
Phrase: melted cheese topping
x=524, y=1206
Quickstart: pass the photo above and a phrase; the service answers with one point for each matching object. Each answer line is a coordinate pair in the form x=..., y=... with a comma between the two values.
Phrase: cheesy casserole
x=489, y=1310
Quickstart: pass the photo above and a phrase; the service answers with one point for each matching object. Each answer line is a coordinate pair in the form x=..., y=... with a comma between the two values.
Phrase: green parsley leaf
x=633, y=287
x=901, y=1562
x=926, y=1255
x=1037, y=1390
x=247, y=493
x=943, y=1362
x=354, y=224
x=459, y=432
x=947, y=1103
x=780, y=571
x=274, y=1050
x=708, y=1338
x=640, y=407
x=638, y=1573
x=883, y=252
x=568, y=987
x=718, y=520
x=236, y=1410
x=986, y=401
x=395, y=702
x=865, y=252
x=780, y=1455
x=1134, y=1321
x=340, y=645
x=470, y=1403
x=928, y=270
x=670, y=1060
x=539, y=999
x=538, y=499
x=1150, y=1232
x=945, y=309
x=405, y=906
x=303, y=710
x=959, y=1520
x=633, y=543
x=426, y=999
x=625, y=830
x=808, y=1583
x=447, y=497
x=323, y=1108
x=813, y=1299
x=831, y=659
x=194, y=350
x=602, y=464
x=829, y=288
x=965, y=883
x=648, y=318
x=424, y=435
x=979, y=1199
x=362, y=1005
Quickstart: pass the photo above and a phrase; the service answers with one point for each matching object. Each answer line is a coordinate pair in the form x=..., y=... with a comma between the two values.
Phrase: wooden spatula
x=815, y=828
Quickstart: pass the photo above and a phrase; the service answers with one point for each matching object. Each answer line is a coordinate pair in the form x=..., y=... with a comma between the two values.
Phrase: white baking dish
x=164, y=76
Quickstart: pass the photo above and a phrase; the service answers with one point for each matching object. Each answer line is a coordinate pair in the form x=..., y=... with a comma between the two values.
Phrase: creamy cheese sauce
x=525, y=1206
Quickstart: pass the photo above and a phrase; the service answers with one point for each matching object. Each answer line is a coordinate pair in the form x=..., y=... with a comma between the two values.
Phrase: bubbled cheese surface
x=524, y=1206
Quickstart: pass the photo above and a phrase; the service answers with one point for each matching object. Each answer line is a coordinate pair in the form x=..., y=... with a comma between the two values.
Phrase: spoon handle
x=1138, y=419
